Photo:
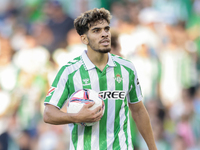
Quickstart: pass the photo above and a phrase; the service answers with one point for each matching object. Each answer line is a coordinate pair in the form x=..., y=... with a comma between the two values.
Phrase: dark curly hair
x=83, y=22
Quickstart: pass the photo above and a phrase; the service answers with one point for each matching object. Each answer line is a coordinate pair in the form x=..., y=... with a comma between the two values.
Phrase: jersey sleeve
x=135, y=93
x=58, y=93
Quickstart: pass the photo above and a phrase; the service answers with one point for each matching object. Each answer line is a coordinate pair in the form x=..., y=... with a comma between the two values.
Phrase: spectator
x=115, y=45
x=148, y=67
x=59, y=24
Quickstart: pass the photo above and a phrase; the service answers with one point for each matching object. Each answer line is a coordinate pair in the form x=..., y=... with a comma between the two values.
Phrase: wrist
x=74, y=117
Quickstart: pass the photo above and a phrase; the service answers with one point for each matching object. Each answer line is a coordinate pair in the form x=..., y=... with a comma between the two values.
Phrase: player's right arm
x=54, y=115
x=56, y=98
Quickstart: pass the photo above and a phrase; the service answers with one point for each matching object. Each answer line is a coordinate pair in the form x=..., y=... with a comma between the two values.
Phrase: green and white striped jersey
x=117, y=84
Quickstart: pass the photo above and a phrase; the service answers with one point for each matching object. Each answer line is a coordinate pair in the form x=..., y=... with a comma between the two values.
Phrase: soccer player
x=116, y=81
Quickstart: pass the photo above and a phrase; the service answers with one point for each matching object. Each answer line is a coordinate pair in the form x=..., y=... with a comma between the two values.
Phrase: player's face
x=99, y=37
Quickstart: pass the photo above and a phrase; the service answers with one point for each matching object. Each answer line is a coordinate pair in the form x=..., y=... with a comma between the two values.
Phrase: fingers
x=89, y=115
x=98, y=113
x=98, y=109
x=89, y=104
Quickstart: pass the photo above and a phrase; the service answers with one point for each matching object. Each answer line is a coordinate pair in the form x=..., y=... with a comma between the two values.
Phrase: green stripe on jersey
x=63, y=97
x=103, y=121
x=56, y=80
x=87, y=137
x=118, y=104
x=125, y=127
x=85, y=78
x=88, y=129
x=70, y=83
x=133, y=94
x=74, y=135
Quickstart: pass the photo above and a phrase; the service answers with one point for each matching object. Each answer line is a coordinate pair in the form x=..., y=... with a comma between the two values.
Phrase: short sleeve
x=135, y=93
x=58, y=93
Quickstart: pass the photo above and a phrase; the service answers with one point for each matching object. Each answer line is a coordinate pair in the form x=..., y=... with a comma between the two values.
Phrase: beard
x=103, y=50
x=97, y=49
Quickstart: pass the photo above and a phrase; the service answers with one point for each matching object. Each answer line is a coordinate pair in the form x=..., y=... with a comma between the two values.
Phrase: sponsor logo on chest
x=113, y=95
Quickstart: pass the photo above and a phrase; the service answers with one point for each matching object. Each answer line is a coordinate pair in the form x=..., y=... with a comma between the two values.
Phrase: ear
x=84, y=39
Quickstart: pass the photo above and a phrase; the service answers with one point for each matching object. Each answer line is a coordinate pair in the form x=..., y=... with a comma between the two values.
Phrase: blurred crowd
x=161, y=38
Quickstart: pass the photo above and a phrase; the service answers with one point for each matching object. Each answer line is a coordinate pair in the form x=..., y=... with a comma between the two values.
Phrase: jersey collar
x=89, y=65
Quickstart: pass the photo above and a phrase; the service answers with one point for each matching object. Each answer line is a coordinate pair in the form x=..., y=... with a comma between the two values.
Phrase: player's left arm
x=142, y=120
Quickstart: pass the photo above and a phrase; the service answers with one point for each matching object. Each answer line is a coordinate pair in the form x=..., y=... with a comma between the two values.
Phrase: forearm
x=144, y=126
x=53, y=115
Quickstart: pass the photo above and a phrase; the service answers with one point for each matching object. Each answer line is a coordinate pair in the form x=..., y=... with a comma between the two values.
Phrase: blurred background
x=161, y=38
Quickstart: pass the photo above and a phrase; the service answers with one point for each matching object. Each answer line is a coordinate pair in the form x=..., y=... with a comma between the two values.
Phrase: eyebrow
x=99, y=28
x=95, y=28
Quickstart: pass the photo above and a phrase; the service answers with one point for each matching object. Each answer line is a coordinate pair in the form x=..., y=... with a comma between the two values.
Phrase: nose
x=104, y=33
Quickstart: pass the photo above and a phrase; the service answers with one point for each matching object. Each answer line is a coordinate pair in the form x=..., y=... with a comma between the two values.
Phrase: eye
x=107, y=29
x=96, y=30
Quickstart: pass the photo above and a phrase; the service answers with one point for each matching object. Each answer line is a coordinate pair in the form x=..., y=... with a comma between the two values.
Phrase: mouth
x=105, y=42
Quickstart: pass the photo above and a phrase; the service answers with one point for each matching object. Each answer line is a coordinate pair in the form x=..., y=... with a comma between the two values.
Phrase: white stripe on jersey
x=122, y=141
x=77, y=81
x=95, y=128
x=125, y=73
x=110, y=108
x=71, y=126
x=95, y=137
x=80, y=144
x=61, y=86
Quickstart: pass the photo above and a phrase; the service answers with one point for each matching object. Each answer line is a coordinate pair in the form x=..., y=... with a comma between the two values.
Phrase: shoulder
x=72, y=65
x=74, y=61
x=122, y=61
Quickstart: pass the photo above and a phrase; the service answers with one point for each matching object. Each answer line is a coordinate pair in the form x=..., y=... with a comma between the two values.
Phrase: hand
x=87, y=115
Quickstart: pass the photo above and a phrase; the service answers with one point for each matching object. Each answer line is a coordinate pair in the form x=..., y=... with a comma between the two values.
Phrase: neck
x=98, y=59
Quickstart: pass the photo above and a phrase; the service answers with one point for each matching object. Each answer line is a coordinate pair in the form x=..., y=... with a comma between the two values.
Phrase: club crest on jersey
x=51, y=90
x=118, y=78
